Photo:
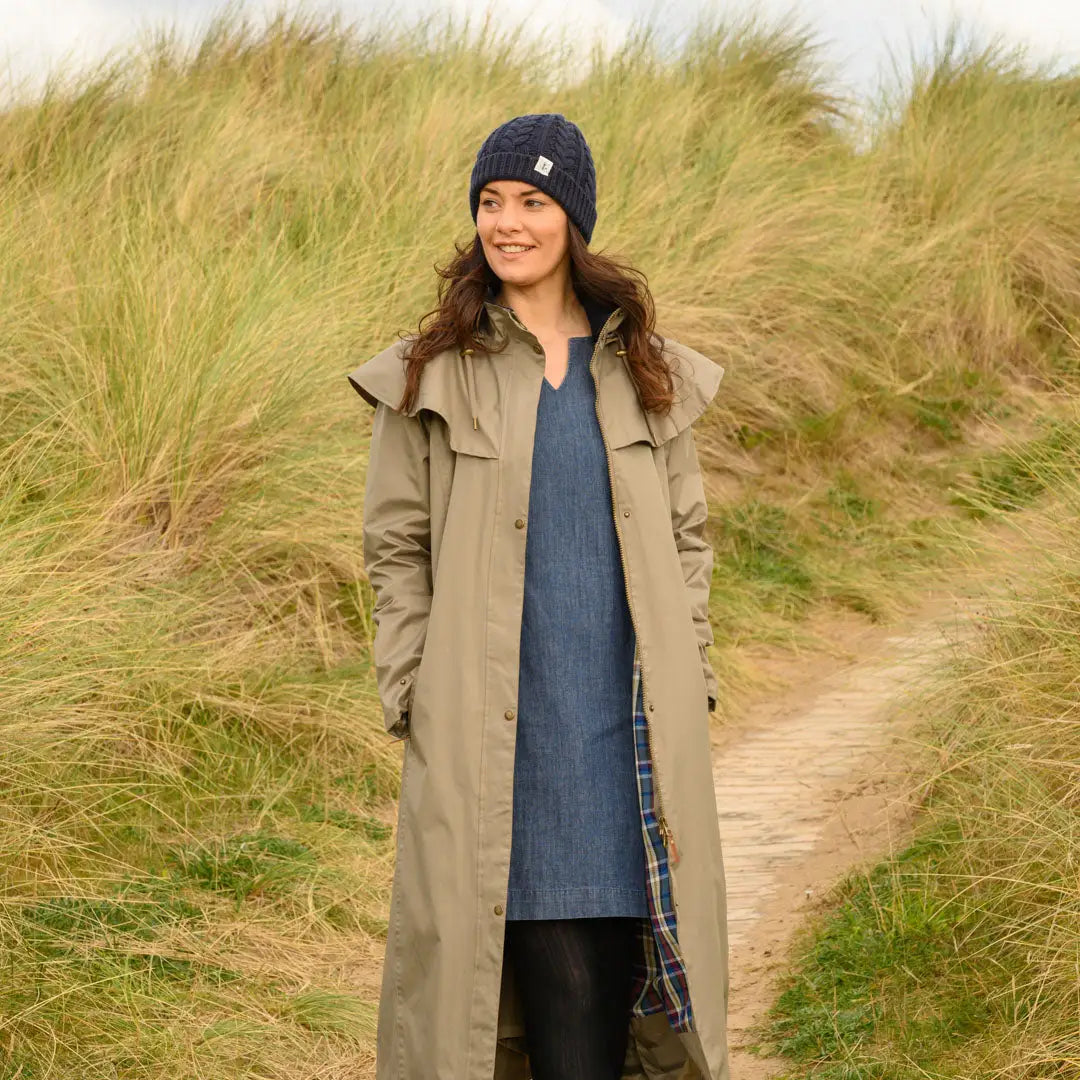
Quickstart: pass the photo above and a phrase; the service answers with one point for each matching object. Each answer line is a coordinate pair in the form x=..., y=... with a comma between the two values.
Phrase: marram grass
x=960, y=956
x=196, y=794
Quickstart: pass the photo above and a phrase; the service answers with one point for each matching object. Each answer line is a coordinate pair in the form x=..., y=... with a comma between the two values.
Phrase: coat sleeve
x=689, y=512
x=397, y=556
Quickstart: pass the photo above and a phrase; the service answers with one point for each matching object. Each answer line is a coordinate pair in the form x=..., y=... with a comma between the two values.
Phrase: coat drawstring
x=470, y=384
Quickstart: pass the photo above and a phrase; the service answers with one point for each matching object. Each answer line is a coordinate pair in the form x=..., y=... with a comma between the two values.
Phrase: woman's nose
x=507, y=223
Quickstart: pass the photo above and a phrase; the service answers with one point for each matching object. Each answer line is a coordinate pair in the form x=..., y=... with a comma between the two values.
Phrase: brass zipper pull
x=668, y=837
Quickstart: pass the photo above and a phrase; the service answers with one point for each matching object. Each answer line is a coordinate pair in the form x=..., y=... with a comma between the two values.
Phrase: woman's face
x=516, y=213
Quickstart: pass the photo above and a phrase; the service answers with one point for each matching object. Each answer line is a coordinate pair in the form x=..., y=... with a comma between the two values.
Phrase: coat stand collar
x=503, y=323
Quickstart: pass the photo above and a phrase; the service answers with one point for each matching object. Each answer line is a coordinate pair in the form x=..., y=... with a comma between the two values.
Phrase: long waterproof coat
x=445, y=520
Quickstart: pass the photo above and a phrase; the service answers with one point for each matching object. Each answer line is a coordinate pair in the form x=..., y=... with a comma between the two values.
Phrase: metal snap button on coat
x=498, y=909
x=509, y=714
x=520, y=523
x=651, y=706
x=626, y=513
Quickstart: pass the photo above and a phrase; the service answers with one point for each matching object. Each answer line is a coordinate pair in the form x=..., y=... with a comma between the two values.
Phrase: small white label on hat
x=543, y=165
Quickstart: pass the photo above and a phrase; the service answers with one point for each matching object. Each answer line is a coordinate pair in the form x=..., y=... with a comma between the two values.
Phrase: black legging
x=574, y=977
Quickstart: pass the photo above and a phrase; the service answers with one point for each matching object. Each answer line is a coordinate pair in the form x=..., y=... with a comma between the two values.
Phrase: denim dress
x=577, y=849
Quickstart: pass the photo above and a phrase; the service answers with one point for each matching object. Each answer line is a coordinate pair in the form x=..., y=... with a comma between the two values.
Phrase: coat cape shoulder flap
x=445, y=389
x=696, y=379
x=700, y=379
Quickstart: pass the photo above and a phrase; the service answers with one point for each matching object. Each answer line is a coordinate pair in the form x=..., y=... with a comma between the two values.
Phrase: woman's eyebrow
x=527, y=191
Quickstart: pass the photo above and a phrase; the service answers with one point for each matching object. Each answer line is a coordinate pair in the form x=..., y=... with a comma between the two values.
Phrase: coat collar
x=451, y=388
x=503, y=323
x=696, y=376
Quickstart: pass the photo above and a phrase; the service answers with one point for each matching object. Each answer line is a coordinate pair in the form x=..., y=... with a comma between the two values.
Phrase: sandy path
x=812, y=782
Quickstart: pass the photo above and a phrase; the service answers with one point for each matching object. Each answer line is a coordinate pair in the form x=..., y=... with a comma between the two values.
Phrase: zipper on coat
x=666, y=835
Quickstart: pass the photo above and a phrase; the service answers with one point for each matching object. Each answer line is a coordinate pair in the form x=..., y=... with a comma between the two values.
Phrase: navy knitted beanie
x=547, y=151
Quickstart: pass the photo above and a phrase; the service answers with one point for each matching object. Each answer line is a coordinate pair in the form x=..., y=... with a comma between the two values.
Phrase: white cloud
x=864, y=36
x=1049, y=27
x=39, y=35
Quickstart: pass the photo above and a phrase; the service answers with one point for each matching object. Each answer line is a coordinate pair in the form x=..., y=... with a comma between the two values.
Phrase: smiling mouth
x=522, y=248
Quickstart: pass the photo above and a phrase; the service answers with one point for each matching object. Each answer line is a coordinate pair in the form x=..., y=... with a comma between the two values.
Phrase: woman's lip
x=512, y=254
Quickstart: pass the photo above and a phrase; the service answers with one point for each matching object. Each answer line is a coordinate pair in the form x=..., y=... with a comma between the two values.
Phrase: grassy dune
x=196, y=795
x=960, y=957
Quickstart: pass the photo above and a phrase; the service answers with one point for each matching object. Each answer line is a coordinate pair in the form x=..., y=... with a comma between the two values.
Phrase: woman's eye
x=535, y=202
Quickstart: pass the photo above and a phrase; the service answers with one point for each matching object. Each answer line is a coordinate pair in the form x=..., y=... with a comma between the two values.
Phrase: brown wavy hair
x=606, y=281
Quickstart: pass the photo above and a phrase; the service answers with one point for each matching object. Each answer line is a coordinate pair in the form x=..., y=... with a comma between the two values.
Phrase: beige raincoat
x=445, y=519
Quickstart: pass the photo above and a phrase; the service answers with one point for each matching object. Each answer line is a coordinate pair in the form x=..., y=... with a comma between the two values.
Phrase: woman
x=533, y=533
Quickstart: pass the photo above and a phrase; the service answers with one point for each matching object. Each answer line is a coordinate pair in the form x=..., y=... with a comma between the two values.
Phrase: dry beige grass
x=196, y=789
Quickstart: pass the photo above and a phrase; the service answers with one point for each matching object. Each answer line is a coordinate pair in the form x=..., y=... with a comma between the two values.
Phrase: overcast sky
x=36, y=35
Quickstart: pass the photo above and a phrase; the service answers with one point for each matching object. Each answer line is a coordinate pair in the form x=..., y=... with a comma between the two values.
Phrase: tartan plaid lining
x=660, y=981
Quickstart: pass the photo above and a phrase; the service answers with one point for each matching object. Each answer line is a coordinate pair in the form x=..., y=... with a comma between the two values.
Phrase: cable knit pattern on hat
x=513, y=152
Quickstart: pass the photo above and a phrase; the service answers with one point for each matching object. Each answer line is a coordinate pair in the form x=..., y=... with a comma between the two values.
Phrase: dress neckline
x=566, y=374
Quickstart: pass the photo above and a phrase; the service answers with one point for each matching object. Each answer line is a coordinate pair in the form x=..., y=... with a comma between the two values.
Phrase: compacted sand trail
x=814, y=781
